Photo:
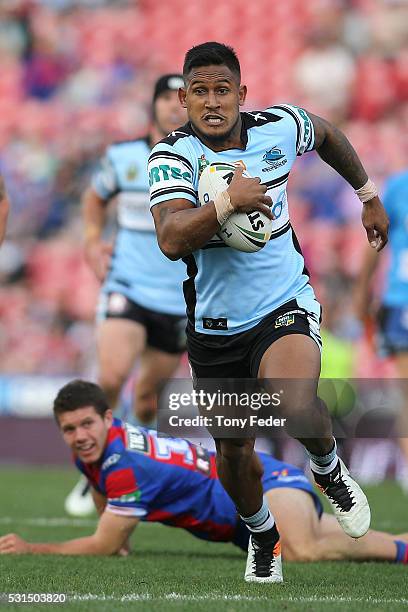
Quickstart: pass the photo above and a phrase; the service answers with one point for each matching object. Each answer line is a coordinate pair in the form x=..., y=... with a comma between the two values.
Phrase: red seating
x=109, y=58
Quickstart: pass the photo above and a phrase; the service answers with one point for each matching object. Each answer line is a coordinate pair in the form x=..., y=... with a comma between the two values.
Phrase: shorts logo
x=284, y=320
x=117, y=303
x=215, y=323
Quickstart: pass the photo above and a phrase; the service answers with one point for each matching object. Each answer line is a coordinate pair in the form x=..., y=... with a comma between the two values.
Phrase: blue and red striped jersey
x=173, y=481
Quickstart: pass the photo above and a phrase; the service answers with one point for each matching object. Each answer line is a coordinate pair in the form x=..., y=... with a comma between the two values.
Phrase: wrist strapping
x=367, y=192
x=223, y=207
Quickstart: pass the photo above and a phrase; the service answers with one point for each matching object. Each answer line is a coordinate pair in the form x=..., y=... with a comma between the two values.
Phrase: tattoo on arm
x=334, y=148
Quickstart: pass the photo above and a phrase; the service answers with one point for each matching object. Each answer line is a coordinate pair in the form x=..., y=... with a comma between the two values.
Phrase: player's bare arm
x=100, y=504
x=334, y=148
x=97, y=252
x=110, y=537
x=181, y=228
x=362, y=302
x=4, y=209
x=99, y=500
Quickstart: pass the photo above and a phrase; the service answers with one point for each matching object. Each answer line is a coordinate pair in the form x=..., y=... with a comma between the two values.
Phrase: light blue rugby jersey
x=139, y=269
x=396, y=205
x=224, y=283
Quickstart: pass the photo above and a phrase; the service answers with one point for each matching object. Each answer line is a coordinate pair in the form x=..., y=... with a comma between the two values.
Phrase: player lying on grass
x=136, y=475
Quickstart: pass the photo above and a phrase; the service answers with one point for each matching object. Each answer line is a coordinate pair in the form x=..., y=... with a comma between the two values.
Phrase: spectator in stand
x=4, y=209
x=325, y=70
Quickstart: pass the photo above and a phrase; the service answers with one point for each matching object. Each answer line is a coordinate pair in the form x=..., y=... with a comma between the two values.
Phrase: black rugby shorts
x=165, y=332
x=239, y=355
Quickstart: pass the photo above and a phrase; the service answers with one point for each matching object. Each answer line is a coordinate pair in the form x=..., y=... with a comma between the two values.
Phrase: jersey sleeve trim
x=126, y=510
x=297, y=121
x=192, y=195
x=304, y=127
x=170, y=176
x=120, y=482
x=171, y=155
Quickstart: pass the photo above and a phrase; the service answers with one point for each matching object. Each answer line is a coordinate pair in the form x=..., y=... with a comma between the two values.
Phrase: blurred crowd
x=77, y=74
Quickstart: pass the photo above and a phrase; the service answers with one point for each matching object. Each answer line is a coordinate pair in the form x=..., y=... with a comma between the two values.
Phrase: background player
x=141, y=312
x=393, y=313
x=136, y=475
x=4, y=209
x=265, y=310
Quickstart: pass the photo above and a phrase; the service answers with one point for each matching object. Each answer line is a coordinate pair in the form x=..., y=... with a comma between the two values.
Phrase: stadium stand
x=76, y=75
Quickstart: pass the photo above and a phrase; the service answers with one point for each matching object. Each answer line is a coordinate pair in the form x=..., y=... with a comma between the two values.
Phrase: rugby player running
x=261, y=304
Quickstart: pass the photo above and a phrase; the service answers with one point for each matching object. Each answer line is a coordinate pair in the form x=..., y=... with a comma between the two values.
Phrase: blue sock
x=402, y=551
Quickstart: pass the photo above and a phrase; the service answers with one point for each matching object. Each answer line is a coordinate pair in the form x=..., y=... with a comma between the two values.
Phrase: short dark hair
x=78, y=394
x=211, y=53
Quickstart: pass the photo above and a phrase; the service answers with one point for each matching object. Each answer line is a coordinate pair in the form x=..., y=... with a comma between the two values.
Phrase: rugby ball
x=248, y=232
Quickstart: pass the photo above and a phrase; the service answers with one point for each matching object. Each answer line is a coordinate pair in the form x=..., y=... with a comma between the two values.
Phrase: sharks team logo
x=274, y=158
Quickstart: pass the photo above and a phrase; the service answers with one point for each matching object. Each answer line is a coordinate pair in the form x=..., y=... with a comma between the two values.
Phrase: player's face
x=85, y=432
x=169, y=114
x=212, y=98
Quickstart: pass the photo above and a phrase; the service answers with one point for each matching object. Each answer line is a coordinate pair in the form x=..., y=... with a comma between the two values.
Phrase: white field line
x=42, y=521
x=219, y=597
x=64, y=521
x=135, y=597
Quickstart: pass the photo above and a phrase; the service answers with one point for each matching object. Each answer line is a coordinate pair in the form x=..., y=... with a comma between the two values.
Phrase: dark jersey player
x=261, y=304
x=137, y=475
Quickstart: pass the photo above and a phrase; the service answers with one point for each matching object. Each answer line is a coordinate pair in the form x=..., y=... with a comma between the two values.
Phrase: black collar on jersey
x=255, y=119
x=248, y=121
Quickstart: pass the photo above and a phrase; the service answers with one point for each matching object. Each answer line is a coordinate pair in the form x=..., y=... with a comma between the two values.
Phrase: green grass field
x=171, y=570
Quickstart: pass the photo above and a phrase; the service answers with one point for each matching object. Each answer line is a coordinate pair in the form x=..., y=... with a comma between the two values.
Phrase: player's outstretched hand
x=98, y=255
x=376, y=223
x=125, y=550
x=247, y=194
x=13, y=544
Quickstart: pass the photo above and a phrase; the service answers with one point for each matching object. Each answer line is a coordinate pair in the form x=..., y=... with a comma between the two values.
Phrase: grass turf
x=171, y=570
